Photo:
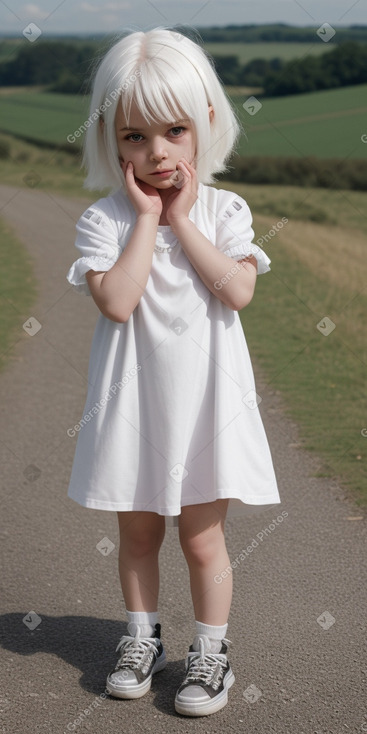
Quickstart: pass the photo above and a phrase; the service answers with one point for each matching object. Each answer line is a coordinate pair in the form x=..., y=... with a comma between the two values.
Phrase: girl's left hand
x=181, y=201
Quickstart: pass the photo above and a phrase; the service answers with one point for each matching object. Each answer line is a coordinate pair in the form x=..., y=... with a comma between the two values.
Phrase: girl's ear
x=211, y=112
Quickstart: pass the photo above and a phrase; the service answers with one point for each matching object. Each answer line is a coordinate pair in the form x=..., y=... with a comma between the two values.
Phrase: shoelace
x=137, y=652
x=207, y=668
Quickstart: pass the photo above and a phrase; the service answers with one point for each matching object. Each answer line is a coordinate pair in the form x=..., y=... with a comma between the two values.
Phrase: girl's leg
x=141, y=536
x=201, y=529
x=201, y=533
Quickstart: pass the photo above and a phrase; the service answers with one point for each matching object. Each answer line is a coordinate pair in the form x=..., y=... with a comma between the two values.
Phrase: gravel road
x=298, y=618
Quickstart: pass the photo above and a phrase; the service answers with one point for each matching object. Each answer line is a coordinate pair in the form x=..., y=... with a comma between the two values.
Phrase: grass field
x=18, y=290
x=326, y=124
x=42, y=116
x=323, y=378
x=317, y=270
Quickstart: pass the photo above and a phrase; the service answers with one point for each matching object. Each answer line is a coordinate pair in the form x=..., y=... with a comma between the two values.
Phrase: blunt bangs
x=152, y=95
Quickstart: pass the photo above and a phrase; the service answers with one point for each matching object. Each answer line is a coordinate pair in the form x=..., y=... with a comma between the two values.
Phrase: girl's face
x=154, y=147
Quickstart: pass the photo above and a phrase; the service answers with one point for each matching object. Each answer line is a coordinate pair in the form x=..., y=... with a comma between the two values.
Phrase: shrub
x=330, y=173
x=4, y=149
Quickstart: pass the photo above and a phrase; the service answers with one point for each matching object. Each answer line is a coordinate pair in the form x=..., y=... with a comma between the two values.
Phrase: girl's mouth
x=163, y=174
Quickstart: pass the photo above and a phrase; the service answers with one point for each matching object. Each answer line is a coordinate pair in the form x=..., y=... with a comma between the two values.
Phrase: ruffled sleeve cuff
x=76, y=274
x=240, y=251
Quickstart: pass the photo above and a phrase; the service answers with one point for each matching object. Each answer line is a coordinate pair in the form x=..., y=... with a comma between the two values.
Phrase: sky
x=95, y=16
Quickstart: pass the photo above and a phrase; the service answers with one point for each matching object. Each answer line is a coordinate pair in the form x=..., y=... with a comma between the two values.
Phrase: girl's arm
x=236, y=281
x=236, y=290
x=118, y=291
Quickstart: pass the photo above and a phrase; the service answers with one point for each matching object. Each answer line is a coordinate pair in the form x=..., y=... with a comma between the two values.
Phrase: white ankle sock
x=145, y=620
x=215, y=634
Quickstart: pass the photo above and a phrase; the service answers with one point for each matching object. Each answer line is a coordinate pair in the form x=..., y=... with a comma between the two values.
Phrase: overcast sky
x=96, y=16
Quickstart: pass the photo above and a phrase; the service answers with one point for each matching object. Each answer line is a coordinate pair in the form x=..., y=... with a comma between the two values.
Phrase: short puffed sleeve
x=234, y=233
x=97, y=241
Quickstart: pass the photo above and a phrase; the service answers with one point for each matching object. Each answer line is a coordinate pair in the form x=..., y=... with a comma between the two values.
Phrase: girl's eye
x=175, y=130
x=134, y=135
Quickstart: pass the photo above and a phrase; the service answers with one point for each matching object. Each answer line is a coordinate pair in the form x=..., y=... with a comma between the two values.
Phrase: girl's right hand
x=144, y=198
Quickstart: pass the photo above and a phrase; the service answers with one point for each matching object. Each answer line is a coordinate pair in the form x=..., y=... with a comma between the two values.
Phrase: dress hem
x=126, y=507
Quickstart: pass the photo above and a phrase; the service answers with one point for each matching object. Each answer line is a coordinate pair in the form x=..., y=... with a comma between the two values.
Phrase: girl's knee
x=202, y=548
x=201, y=531
x=141, y=535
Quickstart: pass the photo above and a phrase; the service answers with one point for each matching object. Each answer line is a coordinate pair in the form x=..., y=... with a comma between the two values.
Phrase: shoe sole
x=190, y=708
x=142, y=688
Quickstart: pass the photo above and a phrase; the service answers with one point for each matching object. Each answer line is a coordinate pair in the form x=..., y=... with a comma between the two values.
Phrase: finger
x=178, y=178
x=188, y=172
x=187, y=169
x=187, y=163
x=126, y=167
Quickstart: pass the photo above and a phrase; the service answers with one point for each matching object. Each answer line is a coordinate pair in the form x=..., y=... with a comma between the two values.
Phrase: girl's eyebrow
x=168, y=124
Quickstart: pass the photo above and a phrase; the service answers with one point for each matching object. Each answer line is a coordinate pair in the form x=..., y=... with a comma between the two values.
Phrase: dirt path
x=298, y=616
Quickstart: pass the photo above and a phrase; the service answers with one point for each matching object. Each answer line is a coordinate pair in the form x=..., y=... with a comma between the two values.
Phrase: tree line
x=278, y=32
x=346, y=64
x=62, y=67
x=66, y=67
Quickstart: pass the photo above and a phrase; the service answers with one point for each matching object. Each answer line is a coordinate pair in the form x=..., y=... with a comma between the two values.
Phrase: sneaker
x=208, y=678
x=140, y=658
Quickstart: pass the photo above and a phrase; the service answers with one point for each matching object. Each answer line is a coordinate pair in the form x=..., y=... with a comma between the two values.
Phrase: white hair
x=169, y=77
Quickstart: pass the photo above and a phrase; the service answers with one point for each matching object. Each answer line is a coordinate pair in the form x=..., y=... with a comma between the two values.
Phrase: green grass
x=18, y=291
x=315, y=273
x=322, y=379
x=248, y=51
x=326, y=124
x=338, y=208
x=54, y=170
x=46, y=117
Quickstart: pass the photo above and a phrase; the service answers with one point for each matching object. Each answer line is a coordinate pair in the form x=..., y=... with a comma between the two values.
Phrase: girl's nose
x=158, y=149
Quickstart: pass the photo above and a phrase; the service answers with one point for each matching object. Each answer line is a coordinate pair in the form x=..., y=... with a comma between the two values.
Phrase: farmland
x=45, y=117
x=326, y=124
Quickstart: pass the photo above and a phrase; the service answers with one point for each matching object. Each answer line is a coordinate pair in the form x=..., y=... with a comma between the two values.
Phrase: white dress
x=171, y=415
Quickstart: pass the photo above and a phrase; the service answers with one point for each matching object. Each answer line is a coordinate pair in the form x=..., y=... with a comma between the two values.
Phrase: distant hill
x=280, y=32
x=276, y=32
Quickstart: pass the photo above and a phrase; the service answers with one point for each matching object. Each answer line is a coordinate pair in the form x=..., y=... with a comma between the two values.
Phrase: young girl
x=171, y=427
